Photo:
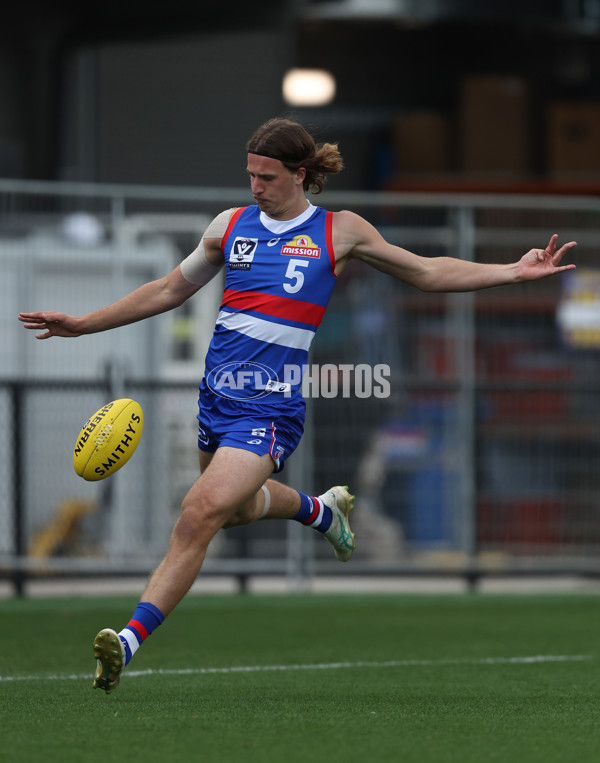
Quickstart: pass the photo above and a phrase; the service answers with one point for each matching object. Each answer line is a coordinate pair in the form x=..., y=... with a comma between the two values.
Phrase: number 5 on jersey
x=295, y=275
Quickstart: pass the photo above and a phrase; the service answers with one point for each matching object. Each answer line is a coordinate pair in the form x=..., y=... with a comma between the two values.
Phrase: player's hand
x=54, y=323
x=539, y=263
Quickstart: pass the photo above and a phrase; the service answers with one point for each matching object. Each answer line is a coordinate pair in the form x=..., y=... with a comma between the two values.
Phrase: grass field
x=280, y=679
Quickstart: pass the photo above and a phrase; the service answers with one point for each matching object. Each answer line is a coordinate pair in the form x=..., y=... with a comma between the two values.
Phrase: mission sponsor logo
x=301, y=246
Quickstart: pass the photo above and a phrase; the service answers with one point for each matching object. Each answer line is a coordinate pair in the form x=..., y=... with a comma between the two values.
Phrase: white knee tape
x=265, y=510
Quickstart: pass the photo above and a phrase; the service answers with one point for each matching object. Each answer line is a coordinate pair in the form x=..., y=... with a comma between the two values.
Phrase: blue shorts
x=262, y=429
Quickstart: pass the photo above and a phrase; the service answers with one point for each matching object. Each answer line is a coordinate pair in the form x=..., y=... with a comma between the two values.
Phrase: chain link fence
x=466, y=424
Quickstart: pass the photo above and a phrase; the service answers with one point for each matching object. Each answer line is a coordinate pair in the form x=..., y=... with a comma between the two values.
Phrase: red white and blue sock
x=314, y=513
x=144, y=620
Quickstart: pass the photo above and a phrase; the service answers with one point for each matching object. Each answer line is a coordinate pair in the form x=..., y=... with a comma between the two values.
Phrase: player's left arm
x=355, y=238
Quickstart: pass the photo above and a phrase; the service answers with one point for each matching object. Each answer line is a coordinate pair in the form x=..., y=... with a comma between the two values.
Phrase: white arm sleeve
x=196, y=268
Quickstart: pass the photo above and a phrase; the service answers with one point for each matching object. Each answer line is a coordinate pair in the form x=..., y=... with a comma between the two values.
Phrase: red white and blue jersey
x=277, y=288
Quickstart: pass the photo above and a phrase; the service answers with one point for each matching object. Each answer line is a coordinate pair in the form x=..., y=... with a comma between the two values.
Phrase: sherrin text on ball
x=108, y=439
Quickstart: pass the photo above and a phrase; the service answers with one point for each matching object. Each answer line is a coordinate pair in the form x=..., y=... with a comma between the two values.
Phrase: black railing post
x=18, y=418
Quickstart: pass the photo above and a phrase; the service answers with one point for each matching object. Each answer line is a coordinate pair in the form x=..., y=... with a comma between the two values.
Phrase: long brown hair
x=295, y=147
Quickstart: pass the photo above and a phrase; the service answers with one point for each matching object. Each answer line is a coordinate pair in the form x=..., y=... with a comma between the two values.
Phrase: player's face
x=277, y=191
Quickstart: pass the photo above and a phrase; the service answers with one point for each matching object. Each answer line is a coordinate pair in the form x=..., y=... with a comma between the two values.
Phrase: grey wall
x=175, y=112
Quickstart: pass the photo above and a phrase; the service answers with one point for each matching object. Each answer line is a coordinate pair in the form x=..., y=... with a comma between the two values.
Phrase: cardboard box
x=573, y=145
x=421, y=143
x=494, y=125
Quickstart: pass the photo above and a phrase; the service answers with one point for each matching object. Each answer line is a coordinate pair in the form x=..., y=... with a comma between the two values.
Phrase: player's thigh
x=230, y=479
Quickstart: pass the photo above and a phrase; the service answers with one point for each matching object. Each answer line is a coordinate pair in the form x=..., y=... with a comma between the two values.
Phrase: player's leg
x=276, y=432
x=214, y=501
x=279, y=435
x=326, y=513
x=231, y=482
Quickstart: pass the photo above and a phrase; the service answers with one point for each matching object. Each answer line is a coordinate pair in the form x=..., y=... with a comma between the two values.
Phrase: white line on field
x=316, y=666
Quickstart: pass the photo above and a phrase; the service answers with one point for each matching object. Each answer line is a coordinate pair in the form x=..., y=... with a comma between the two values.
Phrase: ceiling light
x=308, y=87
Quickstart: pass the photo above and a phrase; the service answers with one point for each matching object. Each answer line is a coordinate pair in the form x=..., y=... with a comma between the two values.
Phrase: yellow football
x=108, y=439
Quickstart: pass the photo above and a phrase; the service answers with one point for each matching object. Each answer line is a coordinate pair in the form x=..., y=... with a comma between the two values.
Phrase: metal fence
x=481, y=460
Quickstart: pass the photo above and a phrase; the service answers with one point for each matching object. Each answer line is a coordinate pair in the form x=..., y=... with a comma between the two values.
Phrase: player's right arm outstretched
x=152, y=298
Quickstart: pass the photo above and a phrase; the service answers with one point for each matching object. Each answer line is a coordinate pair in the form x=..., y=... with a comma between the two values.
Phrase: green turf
x=449, y=705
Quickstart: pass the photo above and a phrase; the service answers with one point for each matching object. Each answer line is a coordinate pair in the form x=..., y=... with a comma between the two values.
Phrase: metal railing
x=481, y=462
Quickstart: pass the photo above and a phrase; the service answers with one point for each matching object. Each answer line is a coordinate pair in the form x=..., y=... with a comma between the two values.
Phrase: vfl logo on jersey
x=242, y=253
x=301, y=246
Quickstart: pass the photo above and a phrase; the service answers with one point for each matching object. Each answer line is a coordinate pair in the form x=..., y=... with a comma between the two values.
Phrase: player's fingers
x=36, y=325
x=562, y=268
x=563, y=250
x=32, y=319
x=552, y=243
x=41, y=316
x=33, y=325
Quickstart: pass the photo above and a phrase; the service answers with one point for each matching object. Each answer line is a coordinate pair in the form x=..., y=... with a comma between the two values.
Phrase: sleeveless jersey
x=277, y=287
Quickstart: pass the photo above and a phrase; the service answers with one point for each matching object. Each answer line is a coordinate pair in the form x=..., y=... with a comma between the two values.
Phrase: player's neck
x=295, y=210
x=279, y=226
